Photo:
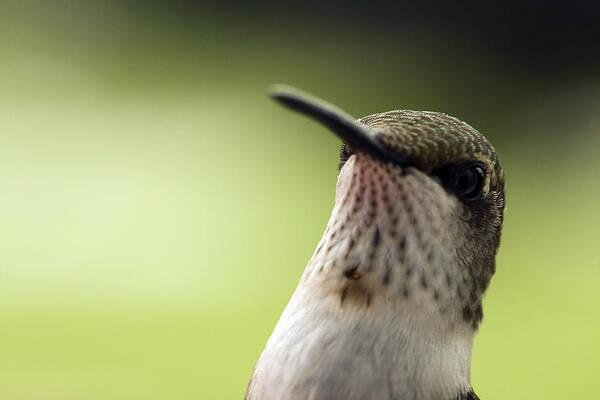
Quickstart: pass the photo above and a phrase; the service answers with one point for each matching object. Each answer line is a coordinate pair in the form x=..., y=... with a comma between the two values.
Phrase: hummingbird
x=391, y=299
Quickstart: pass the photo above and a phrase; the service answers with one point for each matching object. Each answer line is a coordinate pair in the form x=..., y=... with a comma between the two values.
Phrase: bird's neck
x=350, y=333
x=318, y=348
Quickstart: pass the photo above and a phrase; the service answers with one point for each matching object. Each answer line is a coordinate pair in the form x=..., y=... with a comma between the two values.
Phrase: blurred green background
x=157, y=209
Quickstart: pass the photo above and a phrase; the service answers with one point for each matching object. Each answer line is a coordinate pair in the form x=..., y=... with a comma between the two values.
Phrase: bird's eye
x=469, y=182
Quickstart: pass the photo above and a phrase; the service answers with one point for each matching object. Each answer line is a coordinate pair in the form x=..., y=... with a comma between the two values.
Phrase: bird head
x=418, y=214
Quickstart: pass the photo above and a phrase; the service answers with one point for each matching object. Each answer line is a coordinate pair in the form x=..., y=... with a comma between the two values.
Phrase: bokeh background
x=157, y=209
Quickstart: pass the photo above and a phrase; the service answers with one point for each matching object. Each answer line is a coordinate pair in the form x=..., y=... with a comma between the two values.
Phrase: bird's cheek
x=466, y=214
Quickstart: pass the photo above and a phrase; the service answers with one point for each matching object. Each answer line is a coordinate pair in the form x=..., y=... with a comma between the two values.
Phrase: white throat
x=319, y=349
x=348, y=334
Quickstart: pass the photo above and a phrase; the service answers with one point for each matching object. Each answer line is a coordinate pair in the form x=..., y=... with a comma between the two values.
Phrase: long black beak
x=358, y=136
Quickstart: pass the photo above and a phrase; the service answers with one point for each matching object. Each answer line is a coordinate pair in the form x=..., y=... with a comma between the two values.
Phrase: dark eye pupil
x=470, y=182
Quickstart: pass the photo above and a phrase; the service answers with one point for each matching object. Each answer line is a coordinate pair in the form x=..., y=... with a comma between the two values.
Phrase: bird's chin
x=390, y=240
